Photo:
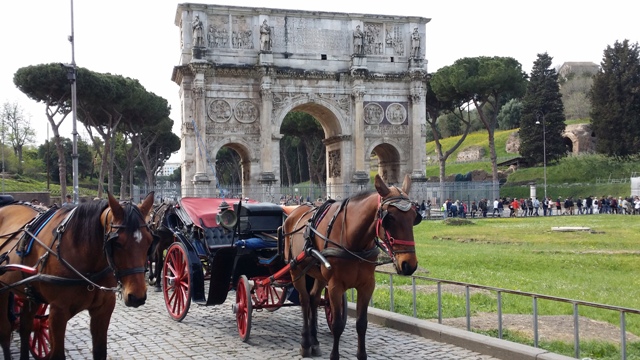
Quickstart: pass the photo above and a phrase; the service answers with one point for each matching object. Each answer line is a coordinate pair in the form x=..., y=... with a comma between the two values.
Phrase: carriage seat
x=6, y=200
x=266, y=249
x=216, y=237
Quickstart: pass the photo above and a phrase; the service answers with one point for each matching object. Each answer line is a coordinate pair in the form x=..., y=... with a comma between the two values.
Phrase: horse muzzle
x=134, y=301
x=407, y=269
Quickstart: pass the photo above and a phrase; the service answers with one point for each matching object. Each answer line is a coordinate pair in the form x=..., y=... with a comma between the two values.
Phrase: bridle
x=404, y=204
x=110, y=244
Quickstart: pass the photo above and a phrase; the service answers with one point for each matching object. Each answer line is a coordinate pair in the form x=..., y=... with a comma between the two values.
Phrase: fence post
x=535, y=322
x=413, y=286
x=499, y=314
x=468, y=306
x=439, y=302
x=623, y=336
x=576, y=331
x=391, y=292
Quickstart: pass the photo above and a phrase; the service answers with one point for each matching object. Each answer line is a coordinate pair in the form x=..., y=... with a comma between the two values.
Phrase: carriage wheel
x=176, y=281
x=39, y=341
x=243, y=308
x=327, y=308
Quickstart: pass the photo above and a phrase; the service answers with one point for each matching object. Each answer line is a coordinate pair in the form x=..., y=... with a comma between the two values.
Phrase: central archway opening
x=302, y=159
x=385, y=160
x=231, y=169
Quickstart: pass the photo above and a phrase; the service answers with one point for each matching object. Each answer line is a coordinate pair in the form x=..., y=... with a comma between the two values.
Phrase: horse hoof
x=315, y=350
x=157, y=289
x=305, y=352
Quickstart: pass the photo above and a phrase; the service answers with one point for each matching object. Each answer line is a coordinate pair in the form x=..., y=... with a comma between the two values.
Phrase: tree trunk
x=62, y=161
x=286, y=165
x=299, y=166
x=490, y=126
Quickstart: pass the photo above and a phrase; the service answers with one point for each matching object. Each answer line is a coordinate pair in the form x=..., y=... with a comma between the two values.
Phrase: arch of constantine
x=363, y=77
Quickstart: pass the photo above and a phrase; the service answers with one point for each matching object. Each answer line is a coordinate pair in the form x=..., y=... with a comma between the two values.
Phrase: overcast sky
x=138, y=38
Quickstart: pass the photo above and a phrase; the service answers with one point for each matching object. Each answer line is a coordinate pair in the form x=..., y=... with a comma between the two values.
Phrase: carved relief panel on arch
x=241, y=34
x=218, y=32
x=385, y=113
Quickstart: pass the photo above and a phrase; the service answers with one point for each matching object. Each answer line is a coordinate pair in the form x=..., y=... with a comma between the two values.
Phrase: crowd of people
x=508, y=207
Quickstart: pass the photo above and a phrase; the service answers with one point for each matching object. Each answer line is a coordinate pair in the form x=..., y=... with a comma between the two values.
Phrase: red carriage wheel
x=327, y=308
x=176, y=281
x=39, y=338
x=243, y=308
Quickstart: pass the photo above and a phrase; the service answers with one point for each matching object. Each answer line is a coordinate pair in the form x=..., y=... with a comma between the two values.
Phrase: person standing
x=423, y=209
x=68, y=203
x=496, y=208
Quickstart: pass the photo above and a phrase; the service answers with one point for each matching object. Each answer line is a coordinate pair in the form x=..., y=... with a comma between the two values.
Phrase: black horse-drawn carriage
x=233, y=245
x=274, y=256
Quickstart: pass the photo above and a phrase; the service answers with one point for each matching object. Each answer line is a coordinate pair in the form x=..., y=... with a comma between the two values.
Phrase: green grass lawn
x=524, y=254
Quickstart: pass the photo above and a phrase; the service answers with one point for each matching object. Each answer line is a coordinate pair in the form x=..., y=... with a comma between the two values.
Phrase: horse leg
x=316, y=292
x=364, y=295
x=27, y=315
x=5, y=325
x=337, y=327
x=99, y=325
x=58, y=318
x=305, y=342
x=157, y=270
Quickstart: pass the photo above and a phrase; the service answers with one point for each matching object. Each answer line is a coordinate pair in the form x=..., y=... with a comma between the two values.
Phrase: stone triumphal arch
x=363, y=77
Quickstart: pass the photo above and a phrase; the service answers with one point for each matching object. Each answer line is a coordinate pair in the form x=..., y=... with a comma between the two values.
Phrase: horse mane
x=86, y=223
x=361, y=195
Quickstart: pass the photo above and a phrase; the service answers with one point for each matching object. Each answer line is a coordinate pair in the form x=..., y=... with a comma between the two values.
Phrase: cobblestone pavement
x=210, y=333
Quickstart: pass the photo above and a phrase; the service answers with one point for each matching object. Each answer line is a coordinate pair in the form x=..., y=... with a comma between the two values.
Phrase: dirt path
x=554, y=327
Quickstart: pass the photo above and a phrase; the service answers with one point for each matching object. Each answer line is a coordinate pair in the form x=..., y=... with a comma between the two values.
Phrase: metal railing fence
x=623, y=311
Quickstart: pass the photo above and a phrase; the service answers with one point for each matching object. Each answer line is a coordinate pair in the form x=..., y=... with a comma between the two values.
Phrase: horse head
x=397, y=215
x=127, y=242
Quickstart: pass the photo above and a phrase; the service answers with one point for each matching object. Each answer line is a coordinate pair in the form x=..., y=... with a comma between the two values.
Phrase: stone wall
x=471, y=153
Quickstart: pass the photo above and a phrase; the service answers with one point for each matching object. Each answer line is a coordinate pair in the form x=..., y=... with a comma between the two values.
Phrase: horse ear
x=115, y=206
x=147, y=203
x=406, y=184
x=381, y=187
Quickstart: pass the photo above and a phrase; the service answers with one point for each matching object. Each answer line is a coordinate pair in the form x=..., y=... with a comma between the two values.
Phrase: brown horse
x=73, y=259
x=347, y=234
x=164, y=239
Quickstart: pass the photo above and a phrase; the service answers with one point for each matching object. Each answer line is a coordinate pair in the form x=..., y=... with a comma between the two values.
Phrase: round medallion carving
x=219, y=111
x=246, y=112
x=396, y=114
x=373, y=114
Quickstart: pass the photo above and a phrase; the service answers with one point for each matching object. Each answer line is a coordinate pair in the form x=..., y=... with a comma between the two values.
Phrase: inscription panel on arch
x=306, y=35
